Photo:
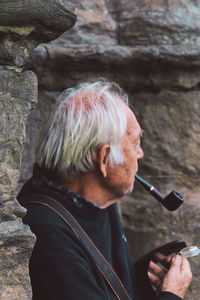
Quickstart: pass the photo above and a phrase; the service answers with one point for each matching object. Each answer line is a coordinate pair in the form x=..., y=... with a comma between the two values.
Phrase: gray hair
x=85, y=118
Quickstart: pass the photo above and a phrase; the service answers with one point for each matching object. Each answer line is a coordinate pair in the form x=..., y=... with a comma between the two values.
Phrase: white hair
x=85, y=118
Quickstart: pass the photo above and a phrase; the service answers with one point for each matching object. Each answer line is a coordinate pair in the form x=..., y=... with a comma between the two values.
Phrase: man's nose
x=140, y=153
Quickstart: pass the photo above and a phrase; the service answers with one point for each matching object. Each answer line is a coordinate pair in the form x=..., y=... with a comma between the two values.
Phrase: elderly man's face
x=120, y=178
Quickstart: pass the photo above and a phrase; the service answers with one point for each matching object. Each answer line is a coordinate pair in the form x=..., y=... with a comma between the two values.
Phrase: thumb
x=176, y=262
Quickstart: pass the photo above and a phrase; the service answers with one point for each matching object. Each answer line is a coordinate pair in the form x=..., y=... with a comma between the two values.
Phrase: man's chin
x=129, y=190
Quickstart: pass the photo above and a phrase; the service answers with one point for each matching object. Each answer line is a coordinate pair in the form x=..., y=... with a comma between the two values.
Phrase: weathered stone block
x=18, y=96
x=25, y=24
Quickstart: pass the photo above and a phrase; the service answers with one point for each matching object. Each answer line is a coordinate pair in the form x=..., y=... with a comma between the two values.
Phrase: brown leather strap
x=103, y=265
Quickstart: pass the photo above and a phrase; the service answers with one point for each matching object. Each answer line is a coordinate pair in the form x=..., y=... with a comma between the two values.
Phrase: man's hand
x=176, y=280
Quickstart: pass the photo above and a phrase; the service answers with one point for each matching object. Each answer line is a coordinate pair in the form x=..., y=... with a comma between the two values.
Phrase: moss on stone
x=24, y=31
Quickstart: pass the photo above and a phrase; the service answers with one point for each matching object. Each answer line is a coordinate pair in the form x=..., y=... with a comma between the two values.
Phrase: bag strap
x=103, y=265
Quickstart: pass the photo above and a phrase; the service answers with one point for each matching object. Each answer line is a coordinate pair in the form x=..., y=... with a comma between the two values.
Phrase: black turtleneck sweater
x=59, y=266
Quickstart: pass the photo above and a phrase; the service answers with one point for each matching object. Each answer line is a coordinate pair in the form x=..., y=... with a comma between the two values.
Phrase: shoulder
x=39, y=217
x=53, y=236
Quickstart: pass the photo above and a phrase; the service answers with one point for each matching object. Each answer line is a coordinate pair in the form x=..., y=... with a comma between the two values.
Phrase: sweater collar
x=44, y=184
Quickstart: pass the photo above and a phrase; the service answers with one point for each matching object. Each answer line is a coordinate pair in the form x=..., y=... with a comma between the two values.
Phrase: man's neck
x=88, y=186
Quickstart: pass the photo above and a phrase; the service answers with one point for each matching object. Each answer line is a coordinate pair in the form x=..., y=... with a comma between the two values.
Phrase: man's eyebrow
x=141, y=132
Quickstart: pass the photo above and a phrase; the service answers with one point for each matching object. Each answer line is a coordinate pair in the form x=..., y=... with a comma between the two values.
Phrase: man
x=87, y=159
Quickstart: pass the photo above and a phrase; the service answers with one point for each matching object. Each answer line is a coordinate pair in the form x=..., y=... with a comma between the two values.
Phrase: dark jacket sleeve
x=168, y=296
x=63, y=278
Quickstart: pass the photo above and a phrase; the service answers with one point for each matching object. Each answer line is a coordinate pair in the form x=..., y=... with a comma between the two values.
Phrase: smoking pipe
x=171, y=201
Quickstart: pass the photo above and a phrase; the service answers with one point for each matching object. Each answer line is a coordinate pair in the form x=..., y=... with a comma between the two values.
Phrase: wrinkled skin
x=176, y=279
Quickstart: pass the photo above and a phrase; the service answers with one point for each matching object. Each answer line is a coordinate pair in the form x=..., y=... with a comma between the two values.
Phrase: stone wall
x=151, y=48
x=17, y=97
x=23, y=24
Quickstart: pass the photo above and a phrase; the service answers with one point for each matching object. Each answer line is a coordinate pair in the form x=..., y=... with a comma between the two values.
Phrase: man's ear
x=103, y=159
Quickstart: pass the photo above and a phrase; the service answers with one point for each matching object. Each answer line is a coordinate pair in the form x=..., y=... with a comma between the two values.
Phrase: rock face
x=17, y=97
x=20, y=24
x=151, y=48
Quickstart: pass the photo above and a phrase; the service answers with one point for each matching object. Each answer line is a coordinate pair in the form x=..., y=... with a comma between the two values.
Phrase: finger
x=169, y=259
x=167, y=262
x=164, y=260
x=185, y=265
x=155, y=280
x=156, y=269
x=159, y=256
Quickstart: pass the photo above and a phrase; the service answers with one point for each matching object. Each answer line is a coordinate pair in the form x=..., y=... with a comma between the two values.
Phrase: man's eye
x=135, y=146
x=137, y=143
